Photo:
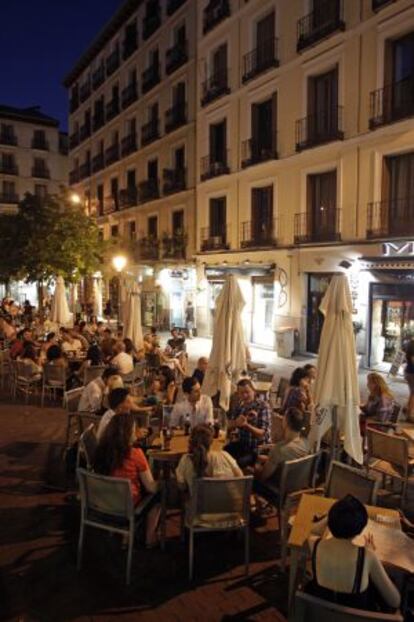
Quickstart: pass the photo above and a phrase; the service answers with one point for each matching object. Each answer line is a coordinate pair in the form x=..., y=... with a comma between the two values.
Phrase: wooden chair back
x=308, y=608
x=388, y=447
x=343, y=480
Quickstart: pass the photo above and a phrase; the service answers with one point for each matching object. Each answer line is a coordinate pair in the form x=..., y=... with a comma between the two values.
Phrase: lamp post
x=119, y=262
x=75, y=198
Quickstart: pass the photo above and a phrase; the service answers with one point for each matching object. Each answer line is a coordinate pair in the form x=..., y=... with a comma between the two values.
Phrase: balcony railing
x=150, y=131
x=98, y=77
x=325, y=226
x=112, y=62
x=110, y=205
x=151, y=24
x=256, y=150
x=392, y=103
x=9, y=168
x=98, y=121
x=150, y=77
x=259, y=60
x=73, y=176
x=8, y=139
x=328, y=18
x=322, y=127
x=84, y=170
x=41, y=171
x=128, y=197
x=74, y=140
x=258, y=234
x=214, y=13
x=74, y=103
x=176, y=56
x=175, y=117
x=112, y=109
x=174, y=5
x=9, y=197
x=40, y=143
x=85, y=90
x=148, y=190
x=174, y=180
x=214, y=165
x=216, y=86
x=174, y=245
x=98, y=162
x=391, y=218
x=214, y=240
x=379, y=4
x=148, y=248
x=129, y=95
x=129, y=144
x=111, y=154
x=84, y=131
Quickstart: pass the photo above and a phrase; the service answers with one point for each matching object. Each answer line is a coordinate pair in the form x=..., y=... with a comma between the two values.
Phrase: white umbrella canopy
x=228, y=351
x=337, y=387
x=97, y=299
x=132, y=324
x=60, y=313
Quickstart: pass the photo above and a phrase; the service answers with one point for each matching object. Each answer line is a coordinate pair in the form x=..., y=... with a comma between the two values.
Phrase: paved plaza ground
x=39, y=520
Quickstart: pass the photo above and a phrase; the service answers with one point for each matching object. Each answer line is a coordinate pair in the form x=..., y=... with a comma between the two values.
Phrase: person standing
x=189, y=319
x=409, y=376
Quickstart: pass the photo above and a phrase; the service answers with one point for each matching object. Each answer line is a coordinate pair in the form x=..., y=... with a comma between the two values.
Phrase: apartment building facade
x=305, y=138
x=33, y=155
x=132, y=149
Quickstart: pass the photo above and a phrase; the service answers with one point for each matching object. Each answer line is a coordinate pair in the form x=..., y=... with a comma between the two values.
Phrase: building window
x=216, y=162
x=321, y=221
x=132, y=231
x=7, y=135
x=260, y=230
x=100, y=198
x=214, y=237
x=39, y=140
x=114, y=231
x=264, y=55
x=152, y=227
x=398, y=194
x=262, y=144
x=217, y=83
x=40, y=190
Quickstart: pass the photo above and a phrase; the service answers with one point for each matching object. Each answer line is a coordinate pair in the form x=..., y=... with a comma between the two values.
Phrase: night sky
x=40, y=42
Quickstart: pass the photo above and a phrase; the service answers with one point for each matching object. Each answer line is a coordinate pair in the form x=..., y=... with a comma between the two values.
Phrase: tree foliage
x=49, y=237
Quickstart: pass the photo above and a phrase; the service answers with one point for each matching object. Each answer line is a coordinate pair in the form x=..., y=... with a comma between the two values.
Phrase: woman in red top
x=115, y=456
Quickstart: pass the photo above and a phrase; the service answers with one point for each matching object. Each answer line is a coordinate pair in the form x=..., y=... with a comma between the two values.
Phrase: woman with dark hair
x=168, y=385
x=201, y=461
x=94, y=358
x=344, y=572
x=55, y=356
x=117, y=457
x=298, y=395
x=29, y=358
x=130, y=349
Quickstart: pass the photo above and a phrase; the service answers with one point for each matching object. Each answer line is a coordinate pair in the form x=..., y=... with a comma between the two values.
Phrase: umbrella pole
x=334, y=433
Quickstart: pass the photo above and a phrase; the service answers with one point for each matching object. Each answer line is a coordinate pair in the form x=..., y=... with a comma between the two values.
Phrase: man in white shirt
x=93, y=394
x=122, y=361
x=195, y=407
x=119, y=404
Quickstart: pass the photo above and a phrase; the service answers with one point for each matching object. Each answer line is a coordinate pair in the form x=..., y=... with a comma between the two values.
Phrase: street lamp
x=119, y=262
x=75, y=198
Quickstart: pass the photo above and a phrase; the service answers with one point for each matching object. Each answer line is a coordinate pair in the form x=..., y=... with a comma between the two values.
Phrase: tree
x=10, y=262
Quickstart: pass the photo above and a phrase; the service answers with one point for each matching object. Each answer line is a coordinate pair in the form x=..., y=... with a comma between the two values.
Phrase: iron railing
x=393, y=102
x=112, y=109
x=112, y=62
x=148, y=248
x=98, y=162
x=321, y=127
x=98, y=121
x=129, y=144
x=129, y=95
x=85, y=170
x=128, y=197
x=150, y=77
x=394, y=217
x=260, y=59
x=174, y=245
x=325, y=226
x=215, y=86
x=9, y=168
x=8, y=138
x=214, y=165
x=176, y=56
x=84, y=131
x=148, y=190
x=321, y=23
x=40, y=143
x=150, y=131
x=216, y=239
x=174, y=180
x=255, y=150
x=175, y=117
x=111, y=154
x=258, y=234
x=9, y=197
x=42, y=172
x=98, y=77
x=85, y=90
x=214, y=13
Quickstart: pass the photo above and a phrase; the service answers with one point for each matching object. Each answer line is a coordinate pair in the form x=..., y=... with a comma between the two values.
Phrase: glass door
x=262, y=317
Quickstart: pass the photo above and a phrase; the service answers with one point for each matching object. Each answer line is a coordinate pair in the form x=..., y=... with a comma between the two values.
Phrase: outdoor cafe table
x=401, y=555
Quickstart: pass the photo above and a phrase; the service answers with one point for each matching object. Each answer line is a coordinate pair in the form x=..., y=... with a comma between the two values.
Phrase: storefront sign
x=398, y=249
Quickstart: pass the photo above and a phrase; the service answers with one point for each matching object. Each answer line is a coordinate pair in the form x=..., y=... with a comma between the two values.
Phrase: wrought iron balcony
x=148, y=248
x=112, y=109
x=112, y=62
x=7, y=138
x=379, y=4
x=256, y=150
x=129, y=144
x=129, y=45
x=214, y=165
x=175, y=117
x=317, y=129
x=98, y=162
x=319, y=24
x=74, y=176
x=40, y=143
x=174, y=5
x=151, y=23
x=74, y=103
x=216, y=86
x=148, y=190
x=323, y=227
x=174, y=245
x=259, y=60
x=150, y=77
x=176, y=56
x=258, y=235
x=85, y=90
x=41, y=171
x=174, y=180
x=9, y=197
x=394, y=102
x=129, y=95
x=391, y=218
x=150, y=131
x=213, y=240
x=98, y=77
x=214, y=13
x=110, y=205
x=98, y=121
x=9, y=168
x=73, y=140
x=85, y=170
x=84, y=131
x=112, y=154
x=128, y=197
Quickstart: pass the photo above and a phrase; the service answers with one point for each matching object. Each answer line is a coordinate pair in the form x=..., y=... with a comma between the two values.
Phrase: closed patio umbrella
x=337, y=387
x=228, y=352
x=97, y=299
x=60, y=313
x=132, y=324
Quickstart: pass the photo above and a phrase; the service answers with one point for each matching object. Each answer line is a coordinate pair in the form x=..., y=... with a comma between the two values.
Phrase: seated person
x=249, y=425
x=130, y=349
x=69, y=343
x=298, y=395
x=154, y=394
x=201, y=461
x=122, y=361
x=200, y=370
x=107, y=344
x=17, y=346
x=343, y=572
x=115, y=456
x=195, y=408
x=51, y=340
x=176, y=343
x=54, y=356
x=119, y=402
x=293, y=446
x=380, y=401
x=29, y=358
x=94, y=358
x=151, y=341
x=168, y=385
x=78, y=334
x=93, y=394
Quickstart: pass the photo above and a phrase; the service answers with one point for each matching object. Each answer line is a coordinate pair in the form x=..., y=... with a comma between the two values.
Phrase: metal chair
x=212, y=496
x=308, y=608
x=106, y=503
x=5, y=365
x=25, y=381
x=92, y=372
x=71, y=404
x=136, y=378
x=343, y=479
x=87, y=447
x=54, y=379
